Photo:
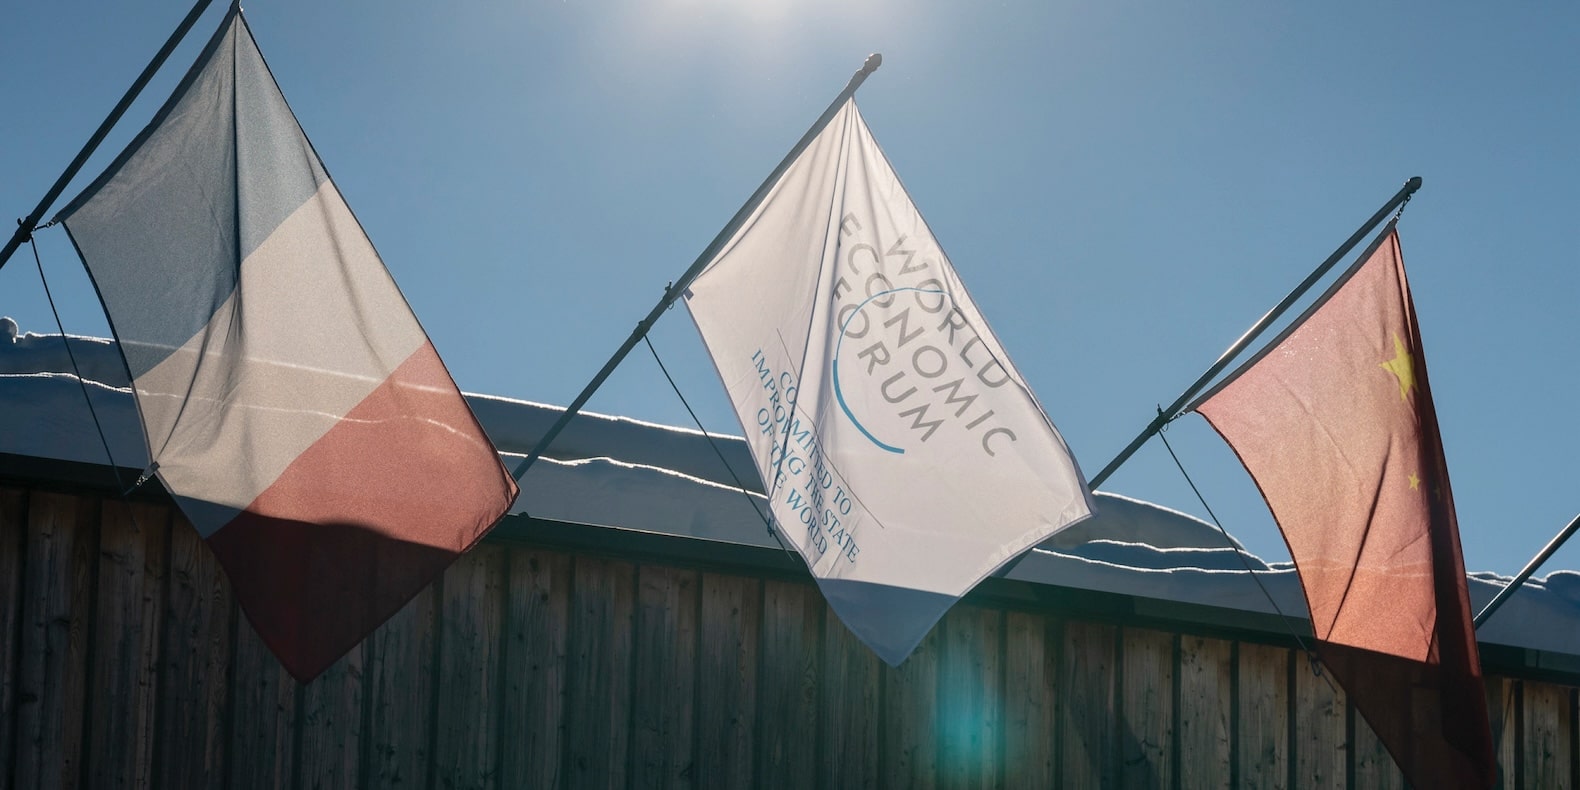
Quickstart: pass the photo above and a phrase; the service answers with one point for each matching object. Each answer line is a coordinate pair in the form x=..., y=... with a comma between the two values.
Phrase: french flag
x=291, y=402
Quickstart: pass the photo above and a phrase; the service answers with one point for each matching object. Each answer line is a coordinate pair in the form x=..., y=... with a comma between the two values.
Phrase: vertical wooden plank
x=731, y=625
x=1505, y=734
x=532, y=724
x=911, y=716
x=13, y=535
x=1146, y=731
x=789, y=684
x=61, y=547
x=849, y=724
x=662, y=712
x=1086, y=718
x=466, y=738
x=262, y=716
x=1263, y=711
x=132, y=545
x=331, y=725
x=1030, y=700
x=1546, y=736
x=1205, y=677
x=400, y=679
x=597, y=713
x=155, y=591
x=194, y=659
x=970, y=702
x=1375, y=768
x=1320, y=758
x=1087, y=755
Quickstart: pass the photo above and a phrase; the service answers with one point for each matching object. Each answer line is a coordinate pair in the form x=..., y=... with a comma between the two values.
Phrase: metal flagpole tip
x=1413, y=184
x=873, y=62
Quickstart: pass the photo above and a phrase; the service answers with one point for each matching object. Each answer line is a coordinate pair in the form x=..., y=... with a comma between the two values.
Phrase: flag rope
x=115, y=469
x=1311, y=656
x=767, y=522
x=123, y=492
x=1399, y=212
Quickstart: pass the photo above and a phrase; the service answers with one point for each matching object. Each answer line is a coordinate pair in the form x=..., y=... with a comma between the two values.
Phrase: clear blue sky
x=1124, y=187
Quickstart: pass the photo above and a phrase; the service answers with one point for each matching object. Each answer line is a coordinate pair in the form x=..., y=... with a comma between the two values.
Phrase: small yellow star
x=1402, y=366
x=1415, y=483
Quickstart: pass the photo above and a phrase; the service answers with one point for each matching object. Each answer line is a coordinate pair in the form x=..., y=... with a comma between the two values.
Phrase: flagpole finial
x=872, y=63
x=1413, y=184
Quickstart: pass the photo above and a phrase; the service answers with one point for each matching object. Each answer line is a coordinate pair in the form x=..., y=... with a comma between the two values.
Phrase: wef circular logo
x=846, y=318
x=921, y=366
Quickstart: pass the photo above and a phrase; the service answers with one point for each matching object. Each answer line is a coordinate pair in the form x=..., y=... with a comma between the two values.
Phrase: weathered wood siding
x=127, y=664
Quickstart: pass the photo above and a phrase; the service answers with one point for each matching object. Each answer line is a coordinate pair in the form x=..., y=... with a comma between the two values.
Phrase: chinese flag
x=1334, y=420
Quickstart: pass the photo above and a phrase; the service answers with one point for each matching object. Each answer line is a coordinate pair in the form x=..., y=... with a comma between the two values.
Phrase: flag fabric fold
x=1334, y=420
x=904, y=456
x=290, y=400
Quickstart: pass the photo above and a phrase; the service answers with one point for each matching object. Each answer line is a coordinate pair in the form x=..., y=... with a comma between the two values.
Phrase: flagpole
x=25, y=227
x=1530, y=568
x=674, y=290
x=1164, y=415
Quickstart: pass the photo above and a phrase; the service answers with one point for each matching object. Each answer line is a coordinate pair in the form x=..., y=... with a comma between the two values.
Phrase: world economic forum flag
x=903, y=455
x=291, y=402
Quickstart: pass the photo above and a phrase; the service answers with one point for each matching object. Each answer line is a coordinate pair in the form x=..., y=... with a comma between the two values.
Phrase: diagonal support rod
x=1169, y=413
x=673, y=291
x=1536, y=562
x=27, y=225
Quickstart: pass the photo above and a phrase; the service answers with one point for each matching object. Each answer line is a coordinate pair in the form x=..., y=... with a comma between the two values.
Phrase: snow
x=622, y=473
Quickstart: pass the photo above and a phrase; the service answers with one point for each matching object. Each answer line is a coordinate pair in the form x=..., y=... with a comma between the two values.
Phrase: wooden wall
x=126, y=664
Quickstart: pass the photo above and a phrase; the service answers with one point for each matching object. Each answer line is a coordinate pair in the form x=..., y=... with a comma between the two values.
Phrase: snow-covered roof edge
x=624, y=473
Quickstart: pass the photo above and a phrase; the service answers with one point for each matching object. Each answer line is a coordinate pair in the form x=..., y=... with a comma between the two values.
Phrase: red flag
x=1335, y=422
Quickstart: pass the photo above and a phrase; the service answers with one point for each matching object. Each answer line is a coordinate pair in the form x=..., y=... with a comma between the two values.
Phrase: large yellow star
x=1415, y=483
x=1402, y=366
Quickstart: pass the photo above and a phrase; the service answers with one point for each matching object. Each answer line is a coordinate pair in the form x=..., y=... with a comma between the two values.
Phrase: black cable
x=1400, y=212
x=767, y=522
x=1316, y=668
x=76, y=371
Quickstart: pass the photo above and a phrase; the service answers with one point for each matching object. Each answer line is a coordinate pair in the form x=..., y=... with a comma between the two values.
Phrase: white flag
x=903, y=454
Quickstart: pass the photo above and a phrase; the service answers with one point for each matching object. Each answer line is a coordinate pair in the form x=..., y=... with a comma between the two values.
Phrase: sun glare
x=747, y=33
